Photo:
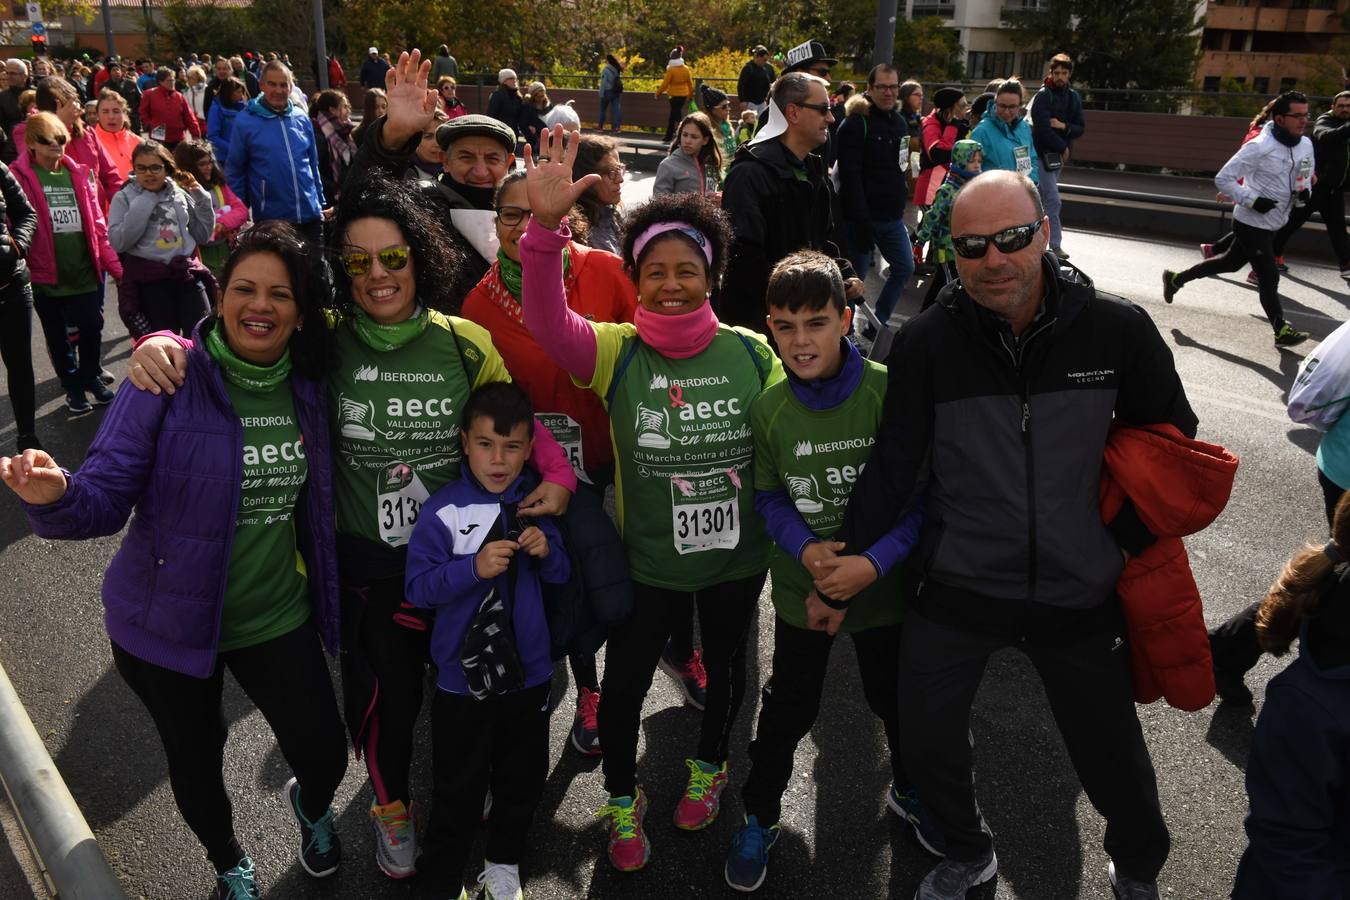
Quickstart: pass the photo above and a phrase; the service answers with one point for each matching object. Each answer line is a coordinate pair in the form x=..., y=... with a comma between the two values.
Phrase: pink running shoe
x=702, y=798
x=1207, y=251
x=629, y=849
x=585, y=736
x=692, y=677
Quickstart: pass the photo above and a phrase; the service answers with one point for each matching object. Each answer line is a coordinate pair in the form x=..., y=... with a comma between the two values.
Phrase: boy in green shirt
x=812, y=436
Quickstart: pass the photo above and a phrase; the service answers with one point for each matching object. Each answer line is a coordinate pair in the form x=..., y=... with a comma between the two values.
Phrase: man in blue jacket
x=1056, y=122
x=273, y=164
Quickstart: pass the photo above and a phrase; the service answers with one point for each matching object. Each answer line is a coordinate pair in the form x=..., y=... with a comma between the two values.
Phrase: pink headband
x=683, y=228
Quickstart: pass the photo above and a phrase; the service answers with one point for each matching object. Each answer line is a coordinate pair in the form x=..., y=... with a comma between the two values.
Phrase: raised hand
x=34, y=476
x=549, y=183
x=412, y=105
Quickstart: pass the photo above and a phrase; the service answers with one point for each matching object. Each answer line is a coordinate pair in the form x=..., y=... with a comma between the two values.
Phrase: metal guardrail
x=67, y=854
x=1088, y=190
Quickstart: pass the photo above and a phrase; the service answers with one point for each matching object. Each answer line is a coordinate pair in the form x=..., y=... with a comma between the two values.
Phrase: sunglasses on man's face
x=357, y=262
x=1009, y=240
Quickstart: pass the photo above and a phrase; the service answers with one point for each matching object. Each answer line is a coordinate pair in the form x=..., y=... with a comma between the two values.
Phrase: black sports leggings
x=287, y=679
x=634, y=646
x=1254, y=245
x=16, y=350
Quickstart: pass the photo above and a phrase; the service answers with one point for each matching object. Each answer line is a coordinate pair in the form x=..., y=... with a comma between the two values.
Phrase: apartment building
x=987, y=46
x=1267, y=44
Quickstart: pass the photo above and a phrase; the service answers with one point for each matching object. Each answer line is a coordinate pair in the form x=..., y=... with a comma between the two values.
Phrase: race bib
x=567, y=432
x=158, y=132
x=704, y=511
x=398, y=503
x=1022, y=157
x=65, y=220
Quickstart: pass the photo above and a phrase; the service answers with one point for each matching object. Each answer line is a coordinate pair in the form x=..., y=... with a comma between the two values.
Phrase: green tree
x=927, y=50
x=1143, y=44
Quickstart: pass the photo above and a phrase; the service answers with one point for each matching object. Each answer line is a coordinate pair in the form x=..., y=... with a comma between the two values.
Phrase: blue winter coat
x=273, y=164
x=441, y=575
x=1298, y=783
x=178, y=461
x=1001, y=144
x=219, y=123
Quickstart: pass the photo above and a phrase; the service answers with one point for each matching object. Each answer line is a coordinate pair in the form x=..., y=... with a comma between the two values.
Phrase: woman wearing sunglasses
x=596, y=288
x=678, y=386
x=69, y=256
x=157, y=222
x=229, y=561
x=403, y=371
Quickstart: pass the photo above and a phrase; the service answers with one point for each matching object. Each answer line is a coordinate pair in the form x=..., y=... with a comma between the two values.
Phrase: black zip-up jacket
x=871, y=184
x=1055, y=103
x=754, y=82
x=17, y=236
x=1007, y=436
x=1329, y=137
x=504, y=105
x=777, y=204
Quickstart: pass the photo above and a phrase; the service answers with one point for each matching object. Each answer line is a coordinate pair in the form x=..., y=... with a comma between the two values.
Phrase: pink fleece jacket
x=42, y=255
x=571, y=341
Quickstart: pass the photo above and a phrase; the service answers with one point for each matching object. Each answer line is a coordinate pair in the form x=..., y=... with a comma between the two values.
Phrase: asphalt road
x=838, y=840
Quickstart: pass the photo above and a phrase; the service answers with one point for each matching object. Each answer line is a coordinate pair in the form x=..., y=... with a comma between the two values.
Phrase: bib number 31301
x=705, y=513
x=398, y=503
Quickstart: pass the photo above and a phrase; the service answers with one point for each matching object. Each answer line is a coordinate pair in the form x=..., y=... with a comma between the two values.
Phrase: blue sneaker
x=236, y=883
x=748, y=859
x=910, y=809
x=320, y=849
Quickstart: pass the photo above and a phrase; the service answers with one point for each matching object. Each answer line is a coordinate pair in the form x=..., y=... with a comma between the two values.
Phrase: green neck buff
x=510, y=270
x=244, y=374
x=378, y=336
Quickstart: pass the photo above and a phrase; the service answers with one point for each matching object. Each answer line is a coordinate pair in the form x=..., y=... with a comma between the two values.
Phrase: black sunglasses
x=822, y=108
x=1009, y=240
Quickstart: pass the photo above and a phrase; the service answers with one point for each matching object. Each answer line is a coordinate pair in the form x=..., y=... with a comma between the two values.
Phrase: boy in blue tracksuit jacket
x=468, y=543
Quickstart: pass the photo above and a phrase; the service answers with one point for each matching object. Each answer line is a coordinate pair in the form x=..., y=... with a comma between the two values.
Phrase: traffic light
x=39, y=45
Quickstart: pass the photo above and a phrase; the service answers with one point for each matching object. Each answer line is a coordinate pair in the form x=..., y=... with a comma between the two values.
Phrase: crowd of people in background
x=699, y=354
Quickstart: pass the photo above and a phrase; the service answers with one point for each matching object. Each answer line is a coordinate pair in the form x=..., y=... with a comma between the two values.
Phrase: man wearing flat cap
x=478, y=152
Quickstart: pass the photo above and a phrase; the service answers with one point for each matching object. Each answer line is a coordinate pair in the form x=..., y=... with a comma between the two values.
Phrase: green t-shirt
x=266, y=590
x=74, y=269
x=397, y=413
x=684, y=475
x=816, y=456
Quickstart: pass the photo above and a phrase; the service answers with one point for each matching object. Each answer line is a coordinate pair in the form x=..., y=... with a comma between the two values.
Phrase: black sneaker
x=1169, y=285
x=1129, y=889
x=106, y=377
x=77, y=403
x=102, y=396
x=951, y=879
x=320, y=848
x=1228, y=683
x=585, y=735
x=29, y=442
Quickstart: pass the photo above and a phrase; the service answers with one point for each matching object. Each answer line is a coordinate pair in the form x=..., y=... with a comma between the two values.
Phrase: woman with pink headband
x=678, y=386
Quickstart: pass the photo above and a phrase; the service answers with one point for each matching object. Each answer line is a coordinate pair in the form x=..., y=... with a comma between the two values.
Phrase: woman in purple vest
x=229, y=561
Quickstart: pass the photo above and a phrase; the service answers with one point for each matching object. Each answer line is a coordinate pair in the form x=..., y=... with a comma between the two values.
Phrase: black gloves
x=1263, y=204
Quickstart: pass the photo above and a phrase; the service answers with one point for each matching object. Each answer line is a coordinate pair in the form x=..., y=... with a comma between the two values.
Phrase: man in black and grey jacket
x=1001, y=396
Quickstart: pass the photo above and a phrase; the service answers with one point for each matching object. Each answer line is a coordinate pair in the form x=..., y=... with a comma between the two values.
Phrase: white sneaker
x=500, y=882
x=395, y=839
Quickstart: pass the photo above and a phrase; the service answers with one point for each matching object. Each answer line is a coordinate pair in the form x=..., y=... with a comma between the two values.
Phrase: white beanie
x=504, y=74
